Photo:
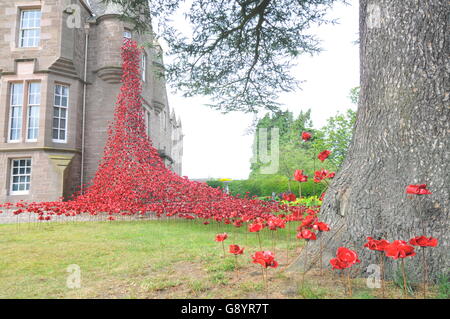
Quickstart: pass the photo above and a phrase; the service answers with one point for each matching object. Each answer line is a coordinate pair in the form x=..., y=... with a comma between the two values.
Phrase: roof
x=100, y=8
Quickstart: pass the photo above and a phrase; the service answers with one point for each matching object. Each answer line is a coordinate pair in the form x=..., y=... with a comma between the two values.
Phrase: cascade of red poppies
x=132, y=178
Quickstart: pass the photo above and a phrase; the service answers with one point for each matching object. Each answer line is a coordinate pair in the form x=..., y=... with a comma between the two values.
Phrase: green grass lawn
x=151, y=259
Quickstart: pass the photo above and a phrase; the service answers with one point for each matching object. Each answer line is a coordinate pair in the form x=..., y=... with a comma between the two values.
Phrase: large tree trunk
x=402, y=137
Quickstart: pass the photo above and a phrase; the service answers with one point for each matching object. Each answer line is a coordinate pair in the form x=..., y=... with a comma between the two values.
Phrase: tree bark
x=401, y=137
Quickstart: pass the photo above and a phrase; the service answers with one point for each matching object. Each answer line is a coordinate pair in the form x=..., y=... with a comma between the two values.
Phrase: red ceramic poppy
x=265, y=259
x=221, y=237
x=236, y=250
x=399, y=249
x=420, y=189
x=306, y=136
x=323, y=155
x=423, y=241
x=299, y=177
x=374, y=244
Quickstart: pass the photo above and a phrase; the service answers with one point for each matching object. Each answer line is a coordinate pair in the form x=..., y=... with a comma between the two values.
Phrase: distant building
x=53, y=122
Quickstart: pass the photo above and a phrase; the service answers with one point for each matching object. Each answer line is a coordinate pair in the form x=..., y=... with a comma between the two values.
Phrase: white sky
x=216, y=146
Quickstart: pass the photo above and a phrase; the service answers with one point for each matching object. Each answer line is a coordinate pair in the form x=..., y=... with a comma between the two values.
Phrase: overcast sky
x=216, y=145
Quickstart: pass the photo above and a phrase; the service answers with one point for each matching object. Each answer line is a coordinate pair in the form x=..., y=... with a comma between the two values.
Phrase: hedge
x=266, y=184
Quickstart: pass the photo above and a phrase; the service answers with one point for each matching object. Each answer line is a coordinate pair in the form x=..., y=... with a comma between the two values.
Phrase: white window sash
x=34, y=102
x=25, y=39
x=60, y=108
x=15, y=113
x=144, y=67
x=127, y=34
x=147, y=122
x=19, y=175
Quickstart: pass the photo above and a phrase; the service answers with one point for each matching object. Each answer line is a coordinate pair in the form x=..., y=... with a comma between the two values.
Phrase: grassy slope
x=150, y=259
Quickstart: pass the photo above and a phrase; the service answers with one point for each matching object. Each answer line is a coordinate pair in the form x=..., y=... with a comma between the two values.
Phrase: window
x=33, y=98
x=34, y=101
x=30, y=28
x=127, y=34
x=60, y=109
x=20, y=176
x=15, y=115
x=147, y=123
x=165, y=121
x=144, y=67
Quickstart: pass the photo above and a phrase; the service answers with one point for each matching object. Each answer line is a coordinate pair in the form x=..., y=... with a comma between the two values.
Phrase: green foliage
x=337, y=135
x=157, y=284
x=265, y=185
x=260, y=186
x=444, y=287
x=398, y=281
x=219, y=278
x=309, y=188
x=308, y=201
x=222, y=265
x=292, y=152
x=252, y=286
x=307, y=292
x=364, y=295
x=240, y=53
x=295, y=154
x=354, y=95
x=198, y=286
x=215, y=183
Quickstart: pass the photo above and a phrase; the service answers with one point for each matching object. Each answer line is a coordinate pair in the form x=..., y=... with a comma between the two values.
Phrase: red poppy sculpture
x=420, y=189
x=399, y=249
x=345, y=258
x=306, y=136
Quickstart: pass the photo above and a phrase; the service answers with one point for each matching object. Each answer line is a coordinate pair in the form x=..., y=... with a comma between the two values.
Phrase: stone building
x=60, y=70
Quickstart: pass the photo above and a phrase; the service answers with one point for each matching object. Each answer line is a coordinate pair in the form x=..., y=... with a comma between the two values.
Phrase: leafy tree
x=289, y=138
x=294, y=154
x=336, y=136
x=401, y=137
x=354, y=95
x=240, y=52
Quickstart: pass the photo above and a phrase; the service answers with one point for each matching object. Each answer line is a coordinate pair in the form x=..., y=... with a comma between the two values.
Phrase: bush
x=264, y=185
x=215, y=183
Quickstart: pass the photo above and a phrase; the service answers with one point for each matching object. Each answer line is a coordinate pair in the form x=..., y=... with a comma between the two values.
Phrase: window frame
x=12, y=175
x=59, y=118
x=127, y=32
x=144, y=67
x=10, y=116
x=165, y=121
x=147, y=119
x=21, y=38
x=28, y=106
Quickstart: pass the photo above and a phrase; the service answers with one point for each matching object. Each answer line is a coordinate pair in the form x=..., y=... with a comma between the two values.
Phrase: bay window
x=31, y=93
